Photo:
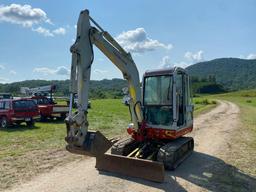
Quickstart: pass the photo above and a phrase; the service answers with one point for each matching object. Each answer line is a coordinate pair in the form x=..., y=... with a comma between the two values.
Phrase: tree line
x=106, y=88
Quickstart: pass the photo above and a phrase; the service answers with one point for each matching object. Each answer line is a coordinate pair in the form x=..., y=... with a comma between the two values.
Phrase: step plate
x=141, y=168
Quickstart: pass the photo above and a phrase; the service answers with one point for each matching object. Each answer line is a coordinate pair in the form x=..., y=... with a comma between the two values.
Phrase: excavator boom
x=82, y=59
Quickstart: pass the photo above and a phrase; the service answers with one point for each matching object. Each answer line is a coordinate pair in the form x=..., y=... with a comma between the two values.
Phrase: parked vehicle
x=17, y=111
x=49, y=109
x=37, y=91
x=6, y=96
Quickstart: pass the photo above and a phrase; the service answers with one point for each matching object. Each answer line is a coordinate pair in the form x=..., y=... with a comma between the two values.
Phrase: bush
x=205, y=102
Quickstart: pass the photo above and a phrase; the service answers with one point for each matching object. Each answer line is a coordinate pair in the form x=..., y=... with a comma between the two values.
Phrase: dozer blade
x=95, y=145
x=130, y=166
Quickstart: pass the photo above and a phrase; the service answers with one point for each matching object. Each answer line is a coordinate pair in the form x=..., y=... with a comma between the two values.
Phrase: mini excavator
x=161, y=111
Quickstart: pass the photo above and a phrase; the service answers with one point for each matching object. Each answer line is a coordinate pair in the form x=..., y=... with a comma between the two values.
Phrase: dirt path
x=204, y=170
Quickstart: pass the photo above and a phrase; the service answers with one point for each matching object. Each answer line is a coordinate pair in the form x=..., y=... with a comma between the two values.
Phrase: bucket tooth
x=141, y=168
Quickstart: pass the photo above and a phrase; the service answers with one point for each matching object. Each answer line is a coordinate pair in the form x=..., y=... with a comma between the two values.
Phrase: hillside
x=98, y=89
x=213, y=76
x=231, y=73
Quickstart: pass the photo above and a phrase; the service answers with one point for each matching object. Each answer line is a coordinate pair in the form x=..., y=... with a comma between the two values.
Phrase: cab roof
x=167, y=71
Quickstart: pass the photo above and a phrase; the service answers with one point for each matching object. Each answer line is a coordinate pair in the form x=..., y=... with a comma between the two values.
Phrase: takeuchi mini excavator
x=161, y=111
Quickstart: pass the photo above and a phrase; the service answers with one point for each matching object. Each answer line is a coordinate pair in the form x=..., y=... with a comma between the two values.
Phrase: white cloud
x=59, y=31
x=27, y=16
x=138, y=41
x=166, y=62
x=251, y=56
x=44, y=70
x=2, y=67
x=12, y=72
x=99, y=71
x=43, y=31
x=49, y=33
x=62, y=70
x=194, y=57
x=241, y=57
x=4, y=80
x=182, y=64
x=23, y=15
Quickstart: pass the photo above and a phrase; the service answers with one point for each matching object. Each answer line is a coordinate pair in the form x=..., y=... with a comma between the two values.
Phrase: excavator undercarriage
x=147, y=160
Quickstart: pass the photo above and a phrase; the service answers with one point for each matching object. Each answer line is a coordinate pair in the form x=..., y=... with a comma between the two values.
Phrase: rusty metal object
x=141, y=168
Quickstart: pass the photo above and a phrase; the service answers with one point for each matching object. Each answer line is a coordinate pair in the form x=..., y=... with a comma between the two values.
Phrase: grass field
x=203, y=104
x=109, y=116
x=24, y=151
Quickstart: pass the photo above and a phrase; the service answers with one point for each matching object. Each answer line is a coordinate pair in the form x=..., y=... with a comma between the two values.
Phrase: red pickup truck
x=16, y=111
x=49, y=109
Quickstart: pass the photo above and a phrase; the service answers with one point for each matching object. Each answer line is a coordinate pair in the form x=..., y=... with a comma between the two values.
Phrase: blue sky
x=35, y=36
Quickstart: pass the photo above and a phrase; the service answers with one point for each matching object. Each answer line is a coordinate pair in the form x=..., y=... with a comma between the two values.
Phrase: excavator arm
x=82, y=59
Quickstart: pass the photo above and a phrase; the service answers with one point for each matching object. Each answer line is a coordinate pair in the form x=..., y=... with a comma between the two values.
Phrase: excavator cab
x=166, y=99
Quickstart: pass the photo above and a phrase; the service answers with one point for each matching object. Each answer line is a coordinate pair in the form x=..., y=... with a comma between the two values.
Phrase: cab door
x=183, y=100
x=180, y=99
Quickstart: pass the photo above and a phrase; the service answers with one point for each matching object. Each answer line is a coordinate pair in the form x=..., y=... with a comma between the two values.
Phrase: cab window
x=158, y=90
x=4, y=105
x=23, y=104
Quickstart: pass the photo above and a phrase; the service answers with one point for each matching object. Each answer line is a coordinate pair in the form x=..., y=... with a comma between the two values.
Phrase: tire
x=43, y=118
x=3, y=122
x=18, y=123
x=63, y=116
x=30, y=123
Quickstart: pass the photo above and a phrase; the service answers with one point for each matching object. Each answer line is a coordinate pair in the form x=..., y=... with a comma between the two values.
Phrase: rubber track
x=175, y=152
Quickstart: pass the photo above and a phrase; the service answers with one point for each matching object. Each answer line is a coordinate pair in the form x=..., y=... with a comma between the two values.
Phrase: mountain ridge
x=232, y=73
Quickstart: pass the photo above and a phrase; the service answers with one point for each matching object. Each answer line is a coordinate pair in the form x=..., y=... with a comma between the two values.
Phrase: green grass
x=109, y=116
x=203, y=104
x=19, y=140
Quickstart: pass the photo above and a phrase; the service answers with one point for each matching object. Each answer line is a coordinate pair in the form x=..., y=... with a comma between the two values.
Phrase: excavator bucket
x=95, y=145
x=134, y=167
